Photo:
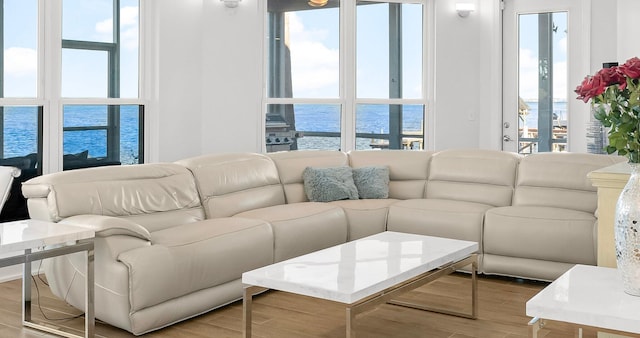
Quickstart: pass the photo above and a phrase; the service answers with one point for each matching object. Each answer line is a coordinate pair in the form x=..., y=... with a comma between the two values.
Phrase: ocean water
x=21, y=138
x=370, y=118
x=20, y=127
x=559, y=109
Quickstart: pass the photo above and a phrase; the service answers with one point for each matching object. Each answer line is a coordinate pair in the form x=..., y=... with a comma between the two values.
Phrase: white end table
x=589, y=296
x=54, y=239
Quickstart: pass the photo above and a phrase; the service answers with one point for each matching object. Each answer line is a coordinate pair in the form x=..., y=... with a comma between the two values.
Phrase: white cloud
x=129, y=16
x=128, y=24
x=528, y=64
x=563, y=45
x=529, y=77
x=20, y=61
x=314, y=66
x=104, y=27
x=560, y=80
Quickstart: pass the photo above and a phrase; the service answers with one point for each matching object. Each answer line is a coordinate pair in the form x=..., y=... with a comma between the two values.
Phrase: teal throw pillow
x=372, y=182
x=329, y=184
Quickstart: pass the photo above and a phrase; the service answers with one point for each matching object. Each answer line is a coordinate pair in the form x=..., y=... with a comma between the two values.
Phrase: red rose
x=591, y=86
x=612, y=76
x=631, y=68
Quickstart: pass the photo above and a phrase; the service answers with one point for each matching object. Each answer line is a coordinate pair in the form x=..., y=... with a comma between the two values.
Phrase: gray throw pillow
x=329, y=184
x=372, y=182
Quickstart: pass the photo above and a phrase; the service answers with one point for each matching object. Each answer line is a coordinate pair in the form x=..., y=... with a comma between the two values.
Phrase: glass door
x=539, y=76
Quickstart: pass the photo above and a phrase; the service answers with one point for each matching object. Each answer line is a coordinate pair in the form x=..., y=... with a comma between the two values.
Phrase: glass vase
x=627, y=224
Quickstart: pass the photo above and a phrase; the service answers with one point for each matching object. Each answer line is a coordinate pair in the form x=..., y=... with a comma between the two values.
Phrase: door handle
x=506, y=138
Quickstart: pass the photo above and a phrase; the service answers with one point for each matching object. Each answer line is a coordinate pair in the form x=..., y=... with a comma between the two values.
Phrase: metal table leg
x=29, y=257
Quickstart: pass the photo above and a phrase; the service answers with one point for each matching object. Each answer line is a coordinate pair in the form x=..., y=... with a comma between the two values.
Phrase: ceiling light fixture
x=317, y=3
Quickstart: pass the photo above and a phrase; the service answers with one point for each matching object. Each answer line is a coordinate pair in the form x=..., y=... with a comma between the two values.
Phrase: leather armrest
x=105, y=226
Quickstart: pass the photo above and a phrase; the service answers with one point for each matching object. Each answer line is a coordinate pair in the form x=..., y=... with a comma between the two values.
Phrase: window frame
x=49, y=82
x=348, y=100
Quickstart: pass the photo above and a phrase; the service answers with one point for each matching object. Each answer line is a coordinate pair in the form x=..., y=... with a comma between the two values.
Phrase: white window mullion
x=149, y=84
x=50, y=40
x=348, y=73
x=428, y=76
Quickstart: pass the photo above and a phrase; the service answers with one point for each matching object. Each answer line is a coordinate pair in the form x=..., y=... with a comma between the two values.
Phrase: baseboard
x=14, y=272
x=10, y=273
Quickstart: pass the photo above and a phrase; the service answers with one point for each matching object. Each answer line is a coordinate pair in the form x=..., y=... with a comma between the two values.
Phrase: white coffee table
x=366, y=272
x=25, y=236
x=589, y=296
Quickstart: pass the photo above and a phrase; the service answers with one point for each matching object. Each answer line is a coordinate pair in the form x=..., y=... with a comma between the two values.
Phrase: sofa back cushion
x=236, y=182
x=291, y=165
x=153, y=195
x=475, y=175
x=560, y=180
x=408, y=170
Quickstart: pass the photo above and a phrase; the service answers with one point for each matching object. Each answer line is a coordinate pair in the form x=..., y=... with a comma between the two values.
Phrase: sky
x=529, y=57
x=315, y=53
x=83, y=72
x=314, y=50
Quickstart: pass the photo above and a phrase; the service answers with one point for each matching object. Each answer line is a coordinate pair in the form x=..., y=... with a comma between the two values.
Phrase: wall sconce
x=317, y=3
x=464, y=9
x=231, y=3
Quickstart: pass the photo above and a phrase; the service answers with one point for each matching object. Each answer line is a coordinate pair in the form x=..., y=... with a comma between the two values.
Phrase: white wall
x=201, y=41
x=232, y=76
x=210, y=73
x=627, y=24
x=458, y=60
x=174, y=33
x=468, y=76
x=603, y=33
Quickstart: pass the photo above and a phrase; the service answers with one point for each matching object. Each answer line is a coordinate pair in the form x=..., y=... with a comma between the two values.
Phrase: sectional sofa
x=172, y=239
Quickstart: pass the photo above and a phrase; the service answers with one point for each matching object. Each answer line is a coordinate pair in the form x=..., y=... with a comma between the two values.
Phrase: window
x=21, y=115
x=92, y=137
x=389, y=66
x=543, y=111
x=88, y=88
x=85, y=88
x=358, y=85
x=99, y=60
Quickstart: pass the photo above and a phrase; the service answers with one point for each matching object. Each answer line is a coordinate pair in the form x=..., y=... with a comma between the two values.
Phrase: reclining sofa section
x=172, y=239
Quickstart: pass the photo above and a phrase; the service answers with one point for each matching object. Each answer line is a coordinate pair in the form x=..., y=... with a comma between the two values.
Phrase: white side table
x=33, y=234
x=589, y=296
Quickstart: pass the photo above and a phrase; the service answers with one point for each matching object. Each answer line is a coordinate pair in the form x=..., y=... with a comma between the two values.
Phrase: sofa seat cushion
x=300, y=228
x=365, y=217
x=438, y=217
x=523, y=267
x=195, y=256
x=544, y=233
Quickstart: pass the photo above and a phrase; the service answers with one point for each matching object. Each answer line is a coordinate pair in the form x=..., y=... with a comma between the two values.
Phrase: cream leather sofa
x=174, y=238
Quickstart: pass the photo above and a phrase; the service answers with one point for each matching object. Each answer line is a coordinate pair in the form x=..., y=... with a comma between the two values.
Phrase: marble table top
x=31, y=234
x=588, y=295
x=349, y=272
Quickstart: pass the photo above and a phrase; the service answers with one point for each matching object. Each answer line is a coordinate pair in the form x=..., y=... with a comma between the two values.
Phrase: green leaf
x=621, y=143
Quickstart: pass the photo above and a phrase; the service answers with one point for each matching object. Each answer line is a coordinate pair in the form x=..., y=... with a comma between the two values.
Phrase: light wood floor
x=280, y=315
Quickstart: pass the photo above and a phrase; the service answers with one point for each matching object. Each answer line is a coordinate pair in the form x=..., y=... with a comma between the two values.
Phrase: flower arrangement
x=615, y=95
